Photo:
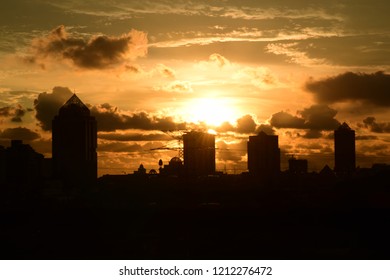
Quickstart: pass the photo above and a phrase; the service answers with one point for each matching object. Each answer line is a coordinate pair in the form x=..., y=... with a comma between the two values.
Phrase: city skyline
x=298, y=70
x=74, y=162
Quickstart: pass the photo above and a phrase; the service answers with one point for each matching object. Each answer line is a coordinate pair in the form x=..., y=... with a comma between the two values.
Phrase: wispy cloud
x=294, y=54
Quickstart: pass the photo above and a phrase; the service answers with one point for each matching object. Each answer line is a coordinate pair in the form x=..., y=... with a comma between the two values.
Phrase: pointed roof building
x=74, y=106
x=74, y=144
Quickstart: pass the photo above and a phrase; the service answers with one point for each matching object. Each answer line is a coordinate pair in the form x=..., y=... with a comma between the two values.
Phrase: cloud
x=219, y=60
x=294, y=55
x=112, y=136
x=126, y=147
x=225, y=127
x=231, y=151
x=19, y=133
x=286, y=120
x=375, y=149
x=166, y=71
x=98, y=52
x=312, y=134
x=246, y=124
x=16, y=113
x=366, y=137
x=48, y=104
x=369, y=88
x=320, y=117
x=5, y=111
x=266, y=128
x=374, y=126
x=316, y=117
x=110, y=119
x=177, y=86
x=260, y=77
x=133, y=68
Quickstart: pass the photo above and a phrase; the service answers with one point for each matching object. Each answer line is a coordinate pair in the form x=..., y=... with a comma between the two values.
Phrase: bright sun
x=210, y=110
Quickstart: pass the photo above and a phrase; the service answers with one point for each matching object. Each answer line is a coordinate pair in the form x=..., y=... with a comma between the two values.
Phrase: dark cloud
x=319, y=117
x=246, y=124
x=48, y=104
x=231, y=152
x=134, y=137
x=109, y=119
x=366, y=137
x=126, y=147
x=312, y=134
x=98, y=52
x=19, y=133
x=370, y=88
x=316, y=117
x=16, y=113
x=267, y=129
x=5, y=111
x=286, y=120
x=377, y=149
x=119, y=147
x=225, y=127
x=374, y=126
x=310, y=146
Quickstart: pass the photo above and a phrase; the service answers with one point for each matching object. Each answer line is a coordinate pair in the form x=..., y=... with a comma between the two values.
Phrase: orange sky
x=144, y=68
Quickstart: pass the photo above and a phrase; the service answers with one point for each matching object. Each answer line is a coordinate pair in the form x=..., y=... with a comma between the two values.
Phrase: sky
x=151, y=70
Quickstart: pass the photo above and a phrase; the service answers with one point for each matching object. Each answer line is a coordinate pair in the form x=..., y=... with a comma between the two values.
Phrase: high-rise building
x=263, y=155
x=74, y=144
x=199, y=153
x=297, y=166
x=344, y=149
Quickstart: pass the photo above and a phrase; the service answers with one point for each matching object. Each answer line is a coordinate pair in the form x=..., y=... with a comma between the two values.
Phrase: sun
x=212, y=111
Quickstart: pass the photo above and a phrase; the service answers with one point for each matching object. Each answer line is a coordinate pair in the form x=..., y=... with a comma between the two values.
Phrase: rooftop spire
x=344, y=126
x=74, y=100
x=74, y=104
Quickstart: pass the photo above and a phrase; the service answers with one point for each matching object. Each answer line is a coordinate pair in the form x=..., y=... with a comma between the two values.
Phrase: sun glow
x=211, y=111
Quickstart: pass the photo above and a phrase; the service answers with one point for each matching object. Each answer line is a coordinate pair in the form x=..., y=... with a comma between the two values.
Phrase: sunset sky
x=150, y=70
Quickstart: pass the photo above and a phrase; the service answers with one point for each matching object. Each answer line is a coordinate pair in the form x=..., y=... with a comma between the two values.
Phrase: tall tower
x=263, y=155
x=74, y=144
x=199, y=153
x=344, y=149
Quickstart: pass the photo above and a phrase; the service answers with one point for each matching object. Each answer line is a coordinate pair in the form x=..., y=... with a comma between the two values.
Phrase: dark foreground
x=212, y=218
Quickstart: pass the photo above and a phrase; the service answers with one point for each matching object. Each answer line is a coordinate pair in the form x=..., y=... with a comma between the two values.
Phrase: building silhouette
x=19, y=163
x=174, y=168
x=199, y=153
x=297, y=166
x=344, y=149
x=74, y=144
x=263, y=155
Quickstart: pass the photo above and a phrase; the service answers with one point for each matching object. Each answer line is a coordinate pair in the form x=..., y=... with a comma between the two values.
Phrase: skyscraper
x=297, y=166
x=344, y=149
x=74, y=144
x=263, y=155
x=199, y=153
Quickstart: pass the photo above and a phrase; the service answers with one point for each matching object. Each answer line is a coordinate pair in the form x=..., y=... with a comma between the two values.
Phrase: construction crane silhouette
x=176, y=135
